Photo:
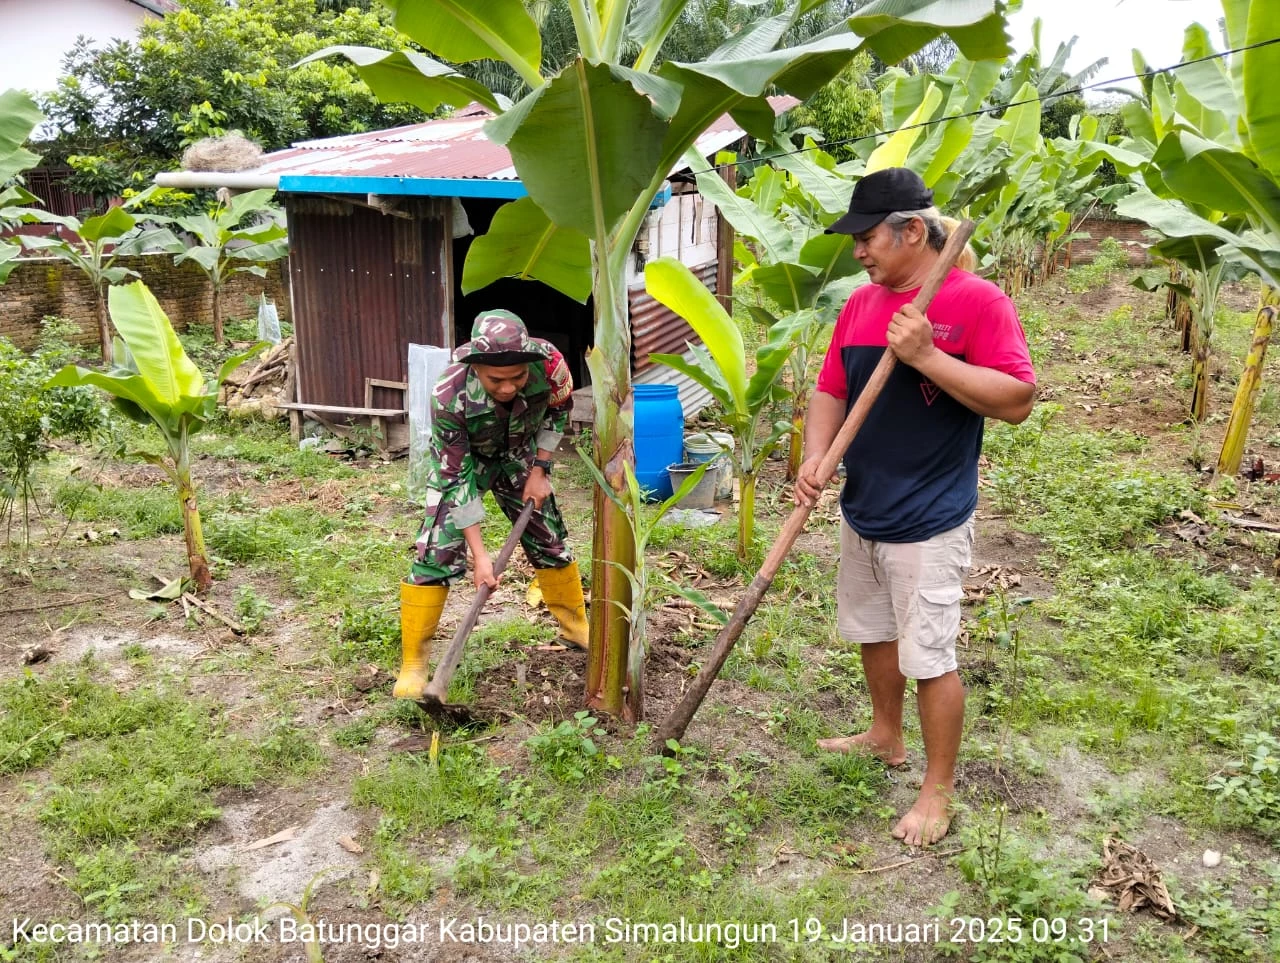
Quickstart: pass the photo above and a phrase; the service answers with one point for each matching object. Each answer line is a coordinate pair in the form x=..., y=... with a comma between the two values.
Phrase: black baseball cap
x=878, y=195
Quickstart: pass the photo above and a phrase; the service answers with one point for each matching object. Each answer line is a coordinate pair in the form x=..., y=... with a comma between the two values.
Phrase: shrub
x=31, y=414
x=1111, y=257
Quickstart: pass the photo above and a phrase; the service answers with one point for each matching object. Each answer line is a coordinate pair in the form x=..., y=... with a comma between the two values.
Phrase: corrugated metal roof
x=158, y=6
x=404, y=160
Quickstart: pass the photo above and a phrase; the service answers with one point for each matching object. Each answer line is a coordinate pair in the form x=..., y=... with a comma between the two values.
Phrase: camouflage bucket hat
x=499, y=338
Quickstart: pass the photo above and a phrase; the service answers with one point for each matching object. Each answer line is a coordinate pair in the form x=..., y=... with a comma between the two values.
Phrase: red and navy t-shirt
x=912, y=469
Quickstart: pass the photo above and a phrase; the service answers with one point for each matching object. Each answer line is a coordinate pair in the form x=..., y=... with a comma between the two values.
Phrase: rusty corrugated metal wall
x=656, y=328
x=365, y=285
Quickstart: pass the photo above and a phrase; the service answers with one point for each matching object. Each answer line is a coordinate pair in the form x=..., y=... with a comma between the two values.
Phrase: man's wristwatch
x=544, y=464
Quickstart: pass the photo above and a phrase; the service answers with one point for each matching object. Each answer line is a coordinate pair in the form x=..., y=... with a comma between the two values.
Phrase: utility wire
x=981, y=111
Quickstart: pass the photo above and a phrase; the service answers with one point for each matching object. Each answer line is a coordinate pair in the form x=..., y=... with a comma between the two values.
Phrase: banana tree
x=155, y=383
x=1212, y=133
x=1188, y=242
x=18, y=118
x=645, y=590
x=780, y=216
x=593, y=146
x=236, y=236
x=93, y=247
x=720, y=366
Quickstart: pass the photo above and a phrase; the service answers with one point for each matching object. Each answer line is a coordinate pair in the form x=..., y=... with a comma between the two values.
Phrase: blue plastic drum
x=659, y=421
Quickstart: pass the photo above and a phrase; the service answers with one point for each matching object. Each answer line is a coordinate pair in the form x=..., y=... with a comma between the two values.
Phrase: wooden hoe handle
x=439, y=686
x=674, y=726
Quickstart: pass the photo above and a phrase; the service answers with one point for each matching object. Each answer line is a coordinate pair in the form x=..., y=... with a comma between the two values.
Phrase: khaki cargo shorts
x=910, y=592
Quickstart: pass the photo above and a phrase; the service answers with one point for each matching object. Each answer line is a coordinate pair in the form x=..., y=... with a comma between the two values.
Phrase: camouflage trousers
x=441, y=549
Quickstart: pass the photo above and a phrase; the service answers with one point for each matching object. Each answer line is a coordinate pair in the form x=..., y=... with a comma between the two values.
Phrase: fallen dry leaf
x=283, y=836
x=982, y=581
x=1132, y=881
x=350, y=845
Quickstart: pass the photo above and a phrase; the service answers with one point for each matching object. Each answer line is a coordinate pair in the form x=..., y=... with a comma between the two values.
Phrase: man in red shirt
x=911, y=482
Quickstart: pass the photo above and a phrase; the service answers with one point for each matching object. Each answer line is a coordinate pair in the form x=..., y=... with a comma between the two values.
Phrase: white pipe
x=235, y=180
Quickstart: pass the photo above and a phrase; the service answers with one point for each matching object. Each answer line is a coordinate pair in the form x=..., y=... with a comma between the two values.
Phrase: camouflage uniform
x=479, y=445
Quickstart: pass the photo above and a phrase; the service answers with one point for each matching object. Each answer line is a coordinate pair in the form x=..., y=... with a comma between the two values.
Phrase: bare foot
x=927, y=821
x=890, y=753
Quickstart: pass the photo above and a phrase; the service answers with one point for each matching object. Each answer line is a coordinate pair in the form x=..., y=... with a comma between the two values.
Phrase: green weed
x=569, y=752
x=44, y=714
x=252, y=610
x=155, y=781
x=271, y=535
x=1223, y=931
x=1012, y=880
x=356, y=735
x=119, y=882
x=367, y=634
x=417, y=796
x=1252, y=782
x=270, y=452
x=1109, y=258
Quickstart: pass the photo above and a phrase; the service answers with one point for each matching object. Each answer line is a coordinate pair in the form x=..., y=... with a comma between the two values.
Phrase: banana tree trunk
x=104, y=326
x=1199, y=377
x=217, y=312
x=1242, y=408
x=610, y=686
x=746, y=515
x=197, y=558
x=795, y=453
x=1178, y=309
x=800, y=404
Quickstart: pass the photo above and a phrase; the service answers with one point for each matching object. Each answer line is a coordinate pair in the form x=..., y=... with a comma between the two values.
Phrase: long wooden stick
x=673, y=727
x=435, y=693
x=232, y=624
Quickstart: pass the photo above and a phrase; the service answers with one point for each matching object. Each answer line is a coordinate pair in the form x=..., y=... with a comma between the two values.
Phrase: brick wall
x=39, y=287
x=1128, y=233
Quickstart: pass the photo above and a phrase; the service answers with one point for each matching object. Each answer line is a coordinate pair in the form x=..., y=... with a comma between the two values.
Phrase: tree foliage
x=843, y=110
x=124, y=110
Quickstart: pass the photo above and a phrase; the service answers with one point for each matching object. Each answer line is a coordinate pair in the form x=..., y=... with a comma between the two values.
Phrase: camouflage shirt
x=468, y=427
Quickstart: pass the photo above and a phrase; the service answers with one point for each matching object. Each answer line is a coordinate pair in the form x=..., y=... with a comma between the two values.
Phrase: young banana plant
x=720, y=366
x=154, y=382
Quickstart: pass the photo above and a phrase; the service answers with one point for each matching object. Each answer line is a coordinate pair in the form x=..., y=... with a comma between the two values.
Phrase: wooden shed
x=379, y=227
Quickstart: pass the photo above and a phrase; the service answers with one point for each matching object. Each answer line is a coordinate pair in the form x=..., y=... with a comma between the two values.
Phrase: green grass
x=42, y=715
x=268, y=452
x=271, y=536
x=132, y=775
x=1110, y=258
x=139, y=512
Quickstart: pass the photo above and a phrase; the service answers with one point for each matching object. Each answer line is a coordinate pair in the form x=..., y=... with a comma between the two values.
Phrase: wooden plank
x=341, y=410
x=371, y=383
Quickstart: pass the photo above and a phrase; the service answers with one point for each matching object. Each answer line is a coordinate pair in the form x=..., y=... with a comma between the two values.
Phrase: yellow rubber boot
x=562, y=592
x=420, y=608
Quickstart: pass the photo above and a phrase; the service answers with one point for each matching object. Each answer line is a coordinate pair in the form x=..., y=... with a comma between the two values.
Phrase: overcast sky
x=1112, y=28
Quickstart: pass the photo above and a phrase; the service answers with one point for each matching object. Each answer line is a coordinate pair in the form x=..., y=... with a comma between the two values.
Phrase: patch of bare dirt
x=309, y=834
x=29, y=885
